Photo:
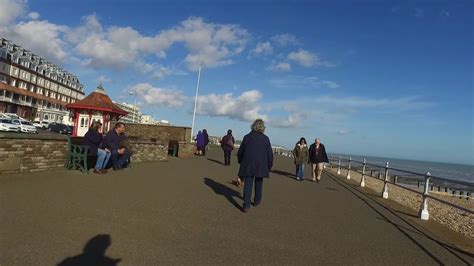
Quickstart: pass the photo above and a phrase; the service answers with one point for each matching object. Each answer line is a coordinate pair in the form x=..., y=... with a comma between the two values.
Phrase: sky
x=380, y=78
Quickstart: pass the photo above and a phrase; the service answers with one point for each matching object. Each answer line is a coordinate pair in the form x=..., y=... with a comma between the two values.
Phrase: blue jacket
x=93, y=139
x=113, y=141
x=255, y=155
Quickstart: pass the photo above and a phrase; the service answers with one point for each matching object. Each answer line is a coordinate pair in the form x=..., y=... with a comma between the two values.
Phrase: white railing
x=430, y=182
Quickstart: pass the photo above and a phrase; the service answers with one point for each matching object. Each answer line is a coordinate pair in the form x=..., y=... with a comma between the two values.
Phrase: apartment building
x=134, y=114
x=34, y=88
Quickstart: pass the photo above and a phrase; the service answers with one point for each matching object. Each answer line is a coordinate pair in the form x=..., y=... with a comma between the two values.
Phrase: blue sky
x=378, y=78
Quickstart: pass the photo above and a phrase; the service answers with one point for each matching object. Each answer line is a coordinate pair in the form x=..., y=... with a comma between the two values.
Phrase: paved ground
x=186, y=212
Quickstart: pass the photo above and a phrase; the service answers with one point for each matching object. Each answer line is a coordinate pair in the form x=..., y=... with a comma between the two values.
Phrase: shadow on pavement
x=283, y=173
x=93, y=253
x=365, y=198
x=215, y=161
x=224, y=190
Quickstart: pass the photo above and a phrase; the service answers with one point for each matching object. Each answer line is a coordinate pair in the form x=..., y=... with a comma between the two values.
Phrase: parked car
x=25, y=126
x=41, y=124
x=6, y=124
x=13, y=116
x=60, y=128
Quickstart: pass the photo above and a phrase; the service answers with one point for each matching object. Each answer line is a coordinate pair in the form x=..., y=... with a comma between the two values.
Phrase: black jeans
x=227, y=157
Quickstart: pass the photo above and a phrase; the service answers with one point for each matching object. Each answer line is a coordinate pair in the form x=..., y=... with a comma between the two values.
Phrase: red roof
x=99, y=101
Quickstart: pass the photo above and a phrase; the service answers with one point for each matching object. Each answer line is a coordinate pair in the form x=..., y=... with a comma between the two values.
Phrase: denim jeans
x=102, y=159
x=300, y=171
x=249, y=180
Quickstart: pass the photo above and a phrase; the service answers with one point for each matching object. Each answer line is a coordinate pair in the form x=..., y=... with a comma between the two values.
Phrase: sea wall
x=454, y=218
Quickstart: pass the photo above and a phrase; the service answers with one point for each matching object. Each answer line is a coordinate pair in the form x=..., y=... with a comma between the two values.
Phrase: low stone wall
x=21, y=152
x=161, y=133
x=454, y=218
x=148, y=151
x=186, y=150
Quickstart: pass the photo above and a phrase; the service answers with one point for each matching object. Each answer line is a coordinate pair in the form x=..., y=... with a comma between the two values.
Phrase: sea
x=461, y=174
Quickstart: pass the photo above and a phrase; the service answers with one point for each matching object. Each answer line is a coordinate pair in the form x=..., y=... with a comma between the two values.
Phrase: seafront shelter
x=97, y=106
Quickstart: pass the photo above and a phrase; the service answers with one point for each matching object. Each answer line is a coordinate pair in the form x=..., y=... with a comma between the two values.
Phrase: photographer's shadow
x=93, y=253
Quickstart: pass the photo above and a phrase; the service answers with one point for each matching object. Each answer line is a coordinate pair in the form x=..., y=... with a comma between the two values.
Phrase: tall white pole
x=195, y=102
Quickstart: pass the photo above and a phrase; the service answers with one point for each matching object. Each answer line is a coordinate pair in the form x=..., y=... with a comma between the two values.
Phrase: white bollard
x=349, y=169
x=385, y=186
x=339, y=166
x=362, y=181
x=424, y=214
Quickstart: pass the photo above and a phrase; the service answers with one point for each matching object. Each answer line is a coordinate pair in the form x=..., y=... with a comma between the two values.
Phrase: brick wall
x=20, y=152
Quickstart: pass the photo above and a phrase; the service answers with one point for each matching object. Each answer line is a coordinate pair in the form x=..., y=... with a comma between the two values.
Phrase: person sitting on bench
x=114, y=141
x=94, y=139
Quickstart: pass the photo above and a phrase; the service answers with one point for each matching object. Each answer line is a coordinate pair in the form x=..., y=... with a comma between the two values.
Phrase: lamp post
x=195, y=102
x=135, y=112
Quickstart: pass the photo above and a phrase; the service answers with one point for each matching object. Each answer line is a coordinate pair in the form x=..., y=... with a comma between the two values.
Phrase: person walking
x=93, y=138
x=199, y=143
x=255, y=157
x=227, y=144
x=317, y=158
x=206, y=141
x=301, y=156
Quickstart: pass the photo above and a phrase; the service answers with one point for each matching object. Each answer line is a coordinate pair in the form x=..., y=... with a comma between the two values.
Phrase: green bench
x=78, y=156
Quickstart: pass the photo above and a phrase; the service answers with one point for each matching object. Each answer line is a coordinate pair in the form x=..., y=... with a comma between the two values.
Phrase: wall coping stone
x=29, y=136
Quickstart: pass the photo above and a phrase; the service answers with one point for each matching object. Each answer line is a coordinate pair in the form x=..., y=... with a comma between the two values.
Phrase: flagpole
x=195, y=102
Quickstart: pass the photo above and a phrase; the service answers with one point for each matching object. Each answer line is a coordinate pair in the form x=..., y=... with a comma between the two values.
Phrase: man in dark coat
x=114, y=141
x=317, y=158
x=227, y=144
x=255, y=157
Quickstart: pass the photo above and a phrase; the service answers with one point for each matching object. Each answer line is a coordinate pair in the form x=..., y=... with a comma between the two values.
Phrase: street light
x=195, y=102
x=134, y=106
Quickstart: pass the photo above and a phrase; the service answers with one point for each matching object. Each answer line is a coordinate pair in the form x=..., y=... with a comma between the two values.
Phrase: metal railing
x=348, y=164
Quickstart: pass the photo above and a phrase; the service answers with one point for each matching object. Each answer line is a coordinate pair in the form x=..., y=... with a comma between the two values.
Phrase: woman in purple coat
x=200, y=143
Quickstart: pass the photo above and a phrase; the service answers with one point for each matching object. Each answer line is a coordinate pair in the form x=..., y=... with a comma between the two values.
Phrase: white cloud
x=34, y=15
x=103, y=79
x=245, y=107
x=297, y=82
x=399, y=104
x=207, y=44
x=343, y=131
x=330, y=84
x=10, y=10
x=40, y=37
x=159, y=96
x=263, y=48
x=285, y=39
x=281, y=66
x=307, y=59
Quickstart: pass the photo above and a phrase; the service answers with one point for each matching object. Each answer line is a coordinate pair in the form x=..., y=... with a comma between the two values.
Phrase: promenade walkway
x=186, y=212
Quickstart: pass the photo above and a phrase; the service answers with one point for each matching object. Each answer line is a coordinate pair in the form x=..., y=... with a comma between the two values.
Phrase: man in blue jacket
x=255, y=157
x=114, y=141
